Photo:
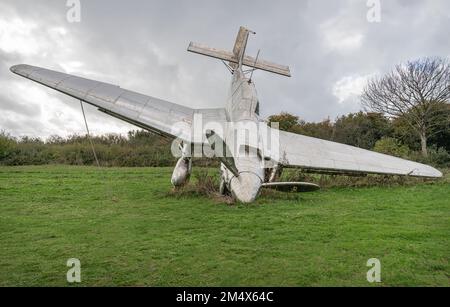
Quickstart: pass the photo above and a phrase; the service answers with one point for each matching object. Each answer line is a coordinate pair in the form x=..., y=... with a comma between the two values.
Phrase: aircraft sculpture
x=248, y=164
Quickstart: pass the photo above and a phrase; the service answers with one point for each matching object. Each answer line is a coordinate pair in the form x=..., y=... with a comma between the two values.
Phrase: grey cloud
x=18, y=107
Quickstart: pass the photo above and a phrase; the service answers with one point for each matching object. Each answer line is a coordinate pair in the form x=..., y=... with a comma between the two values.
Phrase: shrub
x=391, y=146
x=437, y=157
x=7, y=147
x=203, y=183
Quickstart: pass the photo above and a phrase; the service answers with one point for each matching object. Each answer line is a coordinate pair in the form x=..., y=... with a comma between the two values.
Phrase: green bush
x=437, y=157
x=7, y=146
x=391, y=146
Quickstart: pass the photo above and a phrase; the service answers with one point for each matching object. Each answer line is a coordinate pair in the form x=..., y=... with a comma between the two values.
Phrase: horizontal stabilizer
x=249, y=61
x=211, y=52
x=292, y=186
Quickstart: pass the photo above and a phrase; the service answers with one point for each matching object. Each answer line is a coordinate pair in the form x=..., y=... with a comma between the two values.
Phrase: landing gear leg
x=223, y=190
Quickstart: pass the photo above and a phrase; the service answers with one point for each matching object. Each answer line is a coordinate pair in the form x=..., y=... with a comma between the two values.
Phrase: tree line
x=372, y=131
x=138, y=148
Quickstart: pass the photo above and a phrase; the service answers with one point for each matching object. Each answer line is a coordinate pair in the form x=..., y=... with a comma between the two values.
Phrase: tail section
x=237, y=58
x=240, y=45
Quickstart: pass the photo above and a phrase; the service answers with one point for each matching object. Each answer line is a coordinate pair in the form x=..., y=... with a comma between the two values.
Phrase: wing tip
x=428, y=171
x=439, y=174
x=14, y=68
x=18, y=68
x=434, y=172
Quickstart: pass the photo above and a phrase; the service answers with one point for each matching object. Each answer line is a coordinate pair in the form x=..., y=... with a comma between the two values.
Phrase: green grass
x=127, y=229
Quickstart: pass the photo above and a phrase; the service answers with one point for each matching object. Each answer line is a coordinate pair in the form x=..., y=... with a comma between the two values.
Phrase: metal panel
x=131, y=102
x=77, y=86
x=267, y=66
x=50, y=78
x=311, y=153
x=106, y=92
x=247, y=61
x=212, y=52
x=144, y=111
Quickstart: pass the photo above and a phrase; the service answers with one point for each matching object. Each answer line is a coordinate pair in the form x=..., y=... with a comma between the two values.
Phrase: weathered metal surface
x=212, y=52
x=267, y=66
x=241, y=42
x=248, y=61
x=246, y=187
x=145, y=111
x=311, y=153
x=183, y=168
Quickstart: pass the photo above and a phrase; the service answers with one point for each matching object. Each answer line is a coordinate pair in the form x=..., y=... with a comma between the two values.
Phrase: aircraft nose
x=246, y=187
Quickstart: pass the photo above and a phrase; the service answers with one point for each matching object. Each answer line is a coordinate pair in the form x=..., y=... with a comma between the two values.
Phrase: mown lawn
x=127, y=229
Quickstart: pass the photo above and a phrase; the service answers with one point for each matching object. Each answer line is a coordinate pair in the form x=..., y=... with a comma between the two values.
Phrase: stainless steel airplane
x=247, y=166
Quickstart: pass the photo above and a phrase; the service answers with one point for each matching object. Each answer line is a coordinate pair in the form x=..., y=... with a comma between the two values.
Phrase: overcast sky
x=330, y=46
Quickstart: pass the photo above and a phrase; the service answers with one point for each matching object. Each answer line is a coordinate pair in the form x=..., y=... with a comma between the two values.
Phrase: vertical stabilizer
x=239, y=46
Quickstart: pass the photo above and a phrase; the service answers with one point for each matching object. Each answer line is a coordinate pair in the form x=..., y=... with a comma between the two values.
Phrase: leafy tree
x=323, y=130
x=440, y=138
x=416, y=91
x=361, y=129
x=286, y=121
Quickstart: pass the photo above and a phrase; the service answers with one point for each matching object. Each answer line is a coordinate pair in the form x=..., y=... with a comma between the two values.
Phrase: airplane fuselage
x=243, y=112
x=258, y=153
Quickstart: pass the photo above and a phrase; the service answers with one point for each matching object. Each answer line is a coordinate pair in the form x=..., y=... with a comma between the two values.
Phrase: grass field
x=127, y=229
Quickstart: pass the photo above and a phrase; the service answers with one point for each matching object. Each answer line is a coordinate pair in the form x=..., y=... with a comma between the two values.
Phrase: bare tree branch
x=418, y=91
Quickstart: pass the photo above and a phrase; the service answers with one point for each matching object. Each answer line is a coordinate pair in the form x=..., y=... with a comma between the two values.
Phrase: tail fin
x=237, y=58
x=240, y=45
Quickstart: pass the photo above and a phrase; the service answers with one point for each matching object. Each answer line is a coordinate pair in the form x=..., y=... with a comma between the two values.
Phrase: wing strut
x=89, y=134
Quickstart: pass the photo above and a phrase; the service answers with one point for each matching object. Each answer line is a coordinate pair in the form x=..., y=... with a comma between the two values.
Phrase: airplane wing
x=147, y=112
x=320, y=155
